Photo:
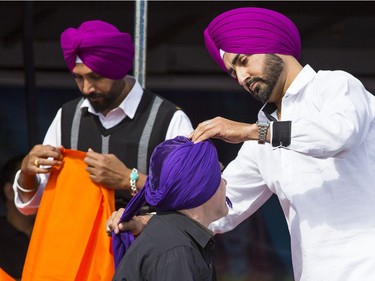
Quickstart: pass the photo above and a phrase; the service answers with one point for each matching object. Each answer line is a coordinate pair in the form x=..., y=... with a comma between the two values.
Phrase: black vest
x=132, y=140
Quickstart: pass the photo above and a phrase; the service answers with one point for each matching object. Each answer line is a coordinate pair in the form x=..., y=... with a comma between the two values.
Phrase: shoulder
x=331, y=81
x=163, y=233
x=71, y=104
x=165, y=102
x=334, y=76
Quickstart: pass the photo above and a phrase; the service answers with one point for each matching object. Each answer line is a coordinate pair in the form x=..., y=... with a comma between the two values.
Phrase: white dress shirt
x=325, y=179
x=180, y=125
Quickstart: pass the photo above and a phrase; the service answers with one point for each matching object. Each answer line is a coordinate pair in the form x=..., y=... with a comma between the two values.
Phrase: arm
x=34, y=178
x=226, y=130
x=339, y=114
x=180, y=125
x=330, y=117
x=245, y=188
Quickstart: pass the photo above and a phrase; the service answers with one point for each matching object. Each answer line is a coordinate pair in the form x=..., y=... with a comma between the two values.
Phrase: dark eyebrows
x=235, y=59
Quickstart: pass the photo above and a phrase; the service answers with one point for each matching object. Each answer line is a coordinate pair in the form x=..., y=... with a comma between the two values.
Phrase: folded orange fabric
x=5, y=276
x=69, y=240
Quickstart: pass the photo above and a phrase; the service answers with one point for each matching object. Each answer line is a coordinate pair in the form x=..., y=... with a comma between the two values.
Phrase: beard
x=264, y=87
x=106, y=102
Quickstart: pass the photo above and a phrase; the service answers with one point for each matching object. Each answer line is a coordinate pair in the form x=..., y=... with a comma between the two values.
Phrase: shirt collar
x=302, y=79
x=129, y=105
x=198, y=232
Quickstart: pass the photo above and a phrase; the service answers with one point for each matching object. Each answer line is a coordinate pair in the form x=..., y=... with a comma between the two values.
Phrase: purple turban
x=101, y=47
x=251, y=31
x=182, y=175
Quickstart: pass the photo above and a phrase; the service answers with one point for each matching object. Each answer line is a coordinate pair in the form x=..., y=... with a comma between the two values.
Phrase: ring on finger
x=36, y=164
x=206, y=122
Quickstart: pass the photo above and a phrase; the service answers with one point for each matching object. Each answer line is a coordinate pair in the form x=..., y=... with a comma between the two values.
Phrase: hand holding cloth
x=182, y=175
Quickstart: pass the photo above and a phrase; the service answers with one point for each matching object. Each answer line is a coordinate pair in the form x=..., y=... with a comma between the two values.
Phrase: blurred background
x=34, y=83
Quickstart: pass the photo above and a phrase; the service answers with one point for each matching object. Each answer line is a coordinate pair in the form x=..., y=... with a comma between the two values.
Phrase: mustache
x=251, y=81
x=94, y=96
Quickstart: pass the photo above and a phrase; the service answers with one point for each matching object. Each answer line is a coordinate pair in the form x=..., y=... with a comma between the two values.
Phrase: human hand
x=41, y=158
x=224, y=129
x=135, y=225
x=107, y=170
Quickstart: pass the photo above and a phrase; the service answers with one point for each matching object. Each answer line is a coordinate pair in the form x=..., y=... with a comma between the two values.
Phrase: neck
x=197, y=215
x=278, y=112
x=291, y=69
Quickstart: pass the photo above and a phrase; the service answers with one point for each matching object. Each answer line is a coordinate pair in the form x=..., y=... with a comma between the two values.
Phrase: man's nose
x=88, y=87
x=242, y=75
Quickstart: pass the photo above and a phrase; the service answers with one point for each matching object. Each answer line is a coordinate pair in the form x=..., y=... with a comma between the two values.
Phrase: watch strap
x=262, y=131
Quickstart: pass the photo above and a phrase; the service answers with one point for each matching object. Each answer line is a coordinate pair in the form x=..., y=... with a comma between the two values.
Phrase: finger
x=204, y=135
x=108, y=230
x=111, y=226
x=126, y=226
x=46, y=163
x=91, y=158
x=48, y=151
x=92, y=154
x=200, y=133
x=197, y=134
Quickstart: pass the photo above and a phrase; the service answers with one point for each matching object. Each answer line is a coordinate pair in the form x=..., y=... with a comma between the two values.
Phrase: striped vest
x=132, y=140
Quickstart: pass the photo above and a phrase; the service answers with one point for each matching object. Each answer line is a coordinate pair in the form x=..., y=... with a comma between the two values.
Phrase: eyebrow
x=235, y=59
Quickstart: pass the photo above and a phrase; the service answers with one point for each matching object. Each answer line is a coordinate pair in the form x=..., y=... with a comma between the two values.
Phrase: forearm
x=27, y=185
x=28, y=205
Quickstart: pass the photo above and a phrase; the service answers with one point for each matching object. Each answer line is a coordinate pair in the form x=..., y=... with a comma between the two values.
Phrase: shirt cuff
x=281, y=133
x=30, y=207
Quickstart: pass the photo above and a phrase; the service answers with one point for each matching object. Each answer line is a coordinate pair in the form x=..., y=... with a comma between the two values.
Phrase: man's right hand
x=224, y=129
x=39, y=160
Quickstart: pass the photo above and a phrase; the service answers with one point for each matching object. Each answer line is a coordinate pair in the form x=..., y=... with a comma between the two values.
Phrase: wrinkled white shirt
x=325, y=179
x=180, y=125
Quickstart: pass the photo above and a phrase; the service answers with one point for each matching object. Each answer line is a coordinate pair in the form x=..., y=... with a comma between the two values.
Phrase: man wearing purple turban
x=185, y=186
x=116, y=121
x=313, y=146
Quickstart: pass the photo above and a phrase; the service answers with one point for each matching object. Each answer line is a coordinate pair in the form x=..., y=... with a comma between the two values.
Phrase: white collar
x=129, y=105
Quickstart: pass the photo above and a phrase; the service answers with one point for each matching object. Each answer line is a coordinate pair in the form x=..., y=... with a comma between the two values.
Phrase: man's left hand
x=107, y=170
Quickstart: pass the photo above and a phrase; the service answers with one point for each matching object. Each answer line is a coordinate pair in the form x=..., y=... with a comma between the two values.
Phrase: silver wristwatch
x=262, y=131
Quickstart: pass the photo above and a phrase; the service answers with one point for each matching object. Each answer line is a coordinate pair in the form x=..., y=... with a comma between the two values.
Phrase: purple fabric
x=251, y=31
x=182, y=175
x=101, y=47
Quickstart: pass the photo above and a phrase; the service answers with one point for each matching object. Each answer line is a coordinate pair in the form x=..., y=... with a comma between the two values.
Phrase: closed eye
x=244, y=60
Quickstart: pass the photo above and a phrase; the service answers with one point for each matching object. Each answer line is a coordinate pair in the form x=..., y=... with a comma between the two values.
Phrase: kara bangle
x=133, y=181
x=24, y=189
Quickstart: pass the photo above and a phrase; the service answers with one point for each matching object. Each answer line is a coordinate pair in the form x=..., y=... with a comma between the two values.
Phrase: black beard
x=104, y=104
x=108, y=101
x=273, y=67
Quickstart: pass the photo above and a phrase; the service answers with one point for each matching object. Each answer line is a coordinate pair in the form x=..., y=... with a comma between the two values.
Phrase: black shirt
x=172, y=247
x=13, y=248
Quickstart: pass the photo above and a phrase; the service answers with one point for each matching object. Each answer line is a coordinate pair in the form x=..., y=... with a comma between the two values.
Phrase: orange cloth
x=69, y=240
x=5, y=276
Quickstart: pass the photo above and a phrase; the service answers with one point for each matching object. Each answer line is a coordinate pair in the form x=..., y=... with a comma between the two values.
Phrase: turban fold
x=251, y=31
x=182, y=175
x=101, y=47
